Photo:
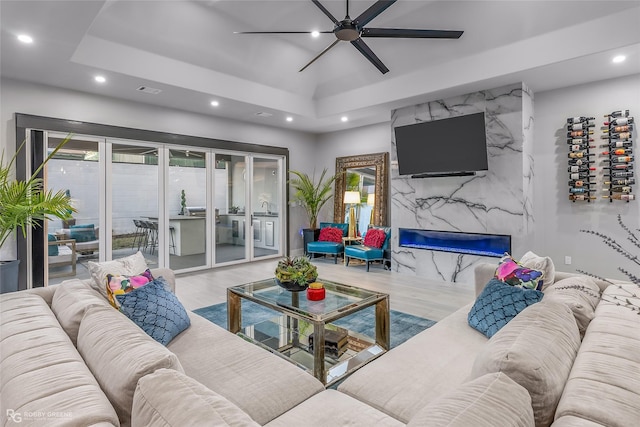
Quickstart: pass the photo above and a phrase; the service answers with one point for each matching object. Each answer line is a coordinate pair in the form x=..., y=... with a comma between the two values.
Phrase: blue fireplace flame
x=490, y=245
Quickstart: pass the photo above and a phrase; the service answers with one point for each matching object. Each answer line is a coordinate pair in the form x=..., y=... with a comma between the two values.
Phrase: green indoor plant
x=311, y=195
x=298, y=270
x=25, y=203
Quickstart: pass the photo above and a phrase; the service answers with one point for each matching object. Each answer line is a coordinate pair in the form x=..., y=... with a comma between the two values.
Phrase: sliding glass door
x=266, y=206
x=230, y=202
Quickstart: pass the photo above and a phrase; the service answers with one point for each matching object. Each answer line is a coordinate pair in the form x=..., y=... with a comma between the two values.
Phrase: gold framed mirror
x=368, y=174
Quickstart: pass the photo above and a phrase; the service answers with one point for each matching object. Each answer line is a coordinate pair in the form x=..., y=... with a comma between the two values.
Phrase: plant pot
x=9, y=276
x=310, y=235
x=292, y=286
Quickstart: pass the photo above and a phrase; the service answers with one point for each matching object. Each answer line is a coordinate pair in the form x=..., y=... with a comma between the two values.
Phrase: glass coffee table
x=302, y=330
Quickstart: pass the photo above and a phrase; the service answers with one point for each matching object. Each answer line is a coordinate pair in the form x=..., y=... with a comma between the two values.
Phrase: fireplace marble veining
x=494, y=202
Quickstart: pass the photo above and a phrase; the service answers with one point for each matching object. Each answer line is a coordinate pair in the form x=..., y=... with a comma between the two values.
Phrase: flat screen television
x=445, y=147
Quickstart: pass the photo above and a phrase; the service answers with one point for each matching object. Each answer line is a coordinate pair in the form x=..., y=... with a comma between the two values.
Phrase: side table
x=347, y=241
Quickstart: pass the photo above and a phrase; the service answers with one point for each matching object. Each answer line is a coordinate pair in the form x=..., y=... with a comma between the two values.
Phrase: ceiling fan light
x=315, y=33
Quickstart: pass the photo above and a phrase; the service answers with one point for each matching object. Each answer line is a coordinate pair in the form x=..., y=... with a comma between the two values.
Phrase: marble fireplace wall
x=498, y=201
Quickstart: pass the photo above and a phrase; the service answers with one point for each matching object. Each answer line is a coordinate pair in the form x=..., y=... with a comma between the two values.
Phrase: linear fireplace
x=490, y=245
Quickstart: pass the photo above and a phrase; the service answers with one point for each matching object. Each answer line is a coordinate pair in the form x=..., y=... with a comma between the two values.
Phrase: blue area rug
x=403, y=325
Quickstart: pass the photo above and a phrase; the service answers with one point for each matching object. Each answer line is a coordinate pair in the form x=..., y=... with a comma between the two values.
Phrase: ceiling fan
x=352, y=30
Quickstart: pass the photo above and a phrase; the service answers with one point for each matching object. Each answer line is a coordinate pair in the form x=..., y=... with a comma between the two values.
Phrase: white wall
x=558, y=220
x=27, y=98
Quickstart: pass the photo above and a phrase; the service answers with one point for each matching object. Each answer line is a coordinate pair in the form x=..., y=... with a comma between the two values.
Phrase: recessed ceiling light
x=215, y=103
x=100, y=79
x=344, y=118
x=25, y=38
x=619, y=58
x=315, y=33
x=289, y=118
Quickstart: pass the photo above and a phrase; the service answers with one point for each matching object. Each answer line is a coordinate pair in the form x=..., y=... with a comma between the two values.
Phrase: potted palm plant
x=312, y=196
x=25, y=204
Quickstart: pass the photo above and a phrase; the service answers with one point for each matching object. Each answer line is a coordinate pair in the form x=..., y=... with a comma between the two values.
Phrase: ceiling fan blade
x=410, y=34
x=280, y=32
x=319, y=55
x=325, y=11
x=368, y=53
x=376, y=9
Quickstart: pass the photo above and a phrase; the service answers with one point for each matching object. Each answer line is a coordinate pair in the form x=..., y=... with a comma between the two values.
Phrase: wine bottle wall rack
x=581, y=162
x=617, y=158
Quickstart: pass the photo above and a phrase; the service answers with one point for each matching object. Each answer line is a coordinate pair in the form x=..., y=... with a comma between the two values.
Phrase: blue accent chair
x=367, y=253
x=329, y=248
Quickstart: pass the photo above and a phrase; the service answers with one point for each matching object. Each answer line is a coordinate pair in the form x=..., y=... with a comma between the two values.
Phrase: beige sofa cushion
x=536, y=349
x=41, y=372
x=119, y=353
x=580, y=294
x=332, y=408
x=410, y=376
x=489, y=401
x=130, y=265
x=168, y=398
x=259, y=383
x=604, y=384
x=571, y=421
x=71, y=300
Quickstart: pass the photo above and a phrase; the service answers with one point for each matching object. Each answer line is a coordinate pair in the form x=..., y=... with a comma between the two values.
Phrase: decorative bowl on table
x=295, y=274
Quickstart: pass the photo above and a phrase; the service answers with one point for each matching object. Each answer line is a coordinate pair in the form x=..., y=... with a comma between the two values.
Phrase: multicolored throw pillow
x=156, y=310
x=374, y=238
x=330, y=234
x=122, y=284
x=514, y=274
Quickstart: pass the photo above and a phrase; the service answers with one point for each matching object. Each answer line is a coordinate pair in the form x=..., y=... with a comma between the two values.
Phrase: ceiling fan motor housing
x=347, y=31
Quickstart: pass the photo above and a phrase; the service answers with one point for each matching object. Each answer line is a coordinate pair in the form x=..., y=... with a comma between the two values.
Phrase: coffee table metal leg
x=383, y=336
x=318, y=352
x=234, y=315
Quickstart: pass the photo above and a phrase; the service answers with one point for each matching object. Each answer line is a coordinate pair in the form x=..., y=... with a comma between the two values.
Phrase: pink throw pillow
x=330, y=234
x=375, y=238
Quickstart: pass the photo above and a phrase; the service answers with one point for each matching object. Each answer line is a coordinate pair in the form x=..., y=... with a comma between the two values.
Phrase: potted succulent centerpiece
x=25, y=204
x=295, y=274
x=312, y=197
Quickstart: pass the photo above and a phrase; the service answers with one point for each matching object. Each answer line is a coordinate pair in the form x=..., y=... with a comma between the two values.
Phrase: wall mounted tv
x=445, y=147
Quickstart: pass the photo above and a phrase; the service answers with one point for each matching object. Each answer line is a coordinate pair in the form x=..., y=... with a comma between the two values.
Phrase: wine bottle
x=619, y=174
x=580, y=190
x=619, y=159
x=625, y=189
x=580, y=147
x=620, y=182
x=618, y=129
x=617, y=152
x=620, y=121
x=618, y=144
x=577, y=168
x=619, y=167
x=584, y=140
x=576, y=176
x=579, y=162
x=580, y=154
x=578, y=133
x=571, y=120
x=621, y=135
x=580, y=126
x=618, y=113
x=575, y=197
x=581, y=183
x=621, y=196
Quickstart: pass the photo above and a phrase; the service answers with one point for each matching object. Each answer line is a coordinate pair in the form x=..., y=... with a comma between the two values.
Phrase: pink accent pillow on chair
x=375, y=238
x=330, y=234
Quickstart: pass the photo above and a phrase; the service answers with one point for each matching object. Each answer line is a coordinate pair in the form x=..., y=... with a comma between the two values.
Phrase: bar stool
x=153, y=236
x=172, y=244
x=139, y=235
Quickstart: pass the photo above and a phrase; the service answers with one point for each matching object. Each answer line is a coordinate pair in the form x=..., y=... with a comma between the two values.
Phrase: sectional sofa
x=69, y=358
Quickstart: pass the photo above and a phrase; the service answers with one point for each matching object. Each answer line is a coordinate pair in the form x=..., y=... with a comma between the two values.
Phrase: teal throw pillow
x=498, y=304
x=52, y=250
x=156, y=310
x=82, y=232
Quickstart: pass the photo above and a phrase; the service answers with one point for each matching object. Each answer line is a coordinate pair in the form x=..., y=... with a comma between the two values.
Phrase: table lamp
x=352, y=198
x=371, y=201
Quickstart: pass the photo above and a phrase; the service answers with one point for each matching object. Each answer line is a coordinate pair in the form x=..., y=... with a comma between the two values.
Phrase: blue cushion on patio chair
x=367, y=253
x=329, y=248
